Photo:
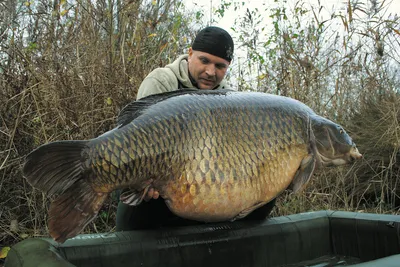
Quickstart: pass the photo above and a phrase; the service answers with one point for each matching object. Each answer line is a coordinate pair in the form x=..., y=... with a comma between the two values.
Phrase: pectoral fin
x=303, y=174
x=135, y=197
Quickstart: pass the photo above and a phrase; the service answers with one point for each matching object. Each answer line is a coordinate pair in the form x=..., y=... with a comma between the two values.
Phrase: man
x=204, y=67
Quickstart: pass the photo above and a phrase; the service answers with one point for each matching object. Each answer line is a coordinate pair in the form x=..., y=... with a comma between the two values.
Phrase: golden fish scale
x=208, y=166
x=202, y=198
x=228, y=173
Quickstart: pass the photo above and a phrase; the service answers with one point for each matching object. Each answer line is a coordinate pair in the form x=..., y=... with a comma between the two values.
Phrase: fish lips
x=334, y=146
x=342, y=159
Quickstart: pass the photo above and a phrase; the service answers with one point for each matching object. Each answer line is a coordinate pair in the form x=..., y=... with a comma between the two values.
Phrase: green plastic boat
x=323, y=238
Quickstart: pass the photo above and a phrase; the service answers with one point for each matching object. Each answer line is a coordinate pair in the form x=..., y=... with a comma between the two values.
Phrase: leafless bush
x=346, y=67
x=66, y=69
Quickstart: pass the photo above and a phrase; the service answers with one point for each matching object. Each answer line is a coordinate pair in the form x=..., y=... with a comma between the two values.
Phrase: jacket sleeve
x=158, y=81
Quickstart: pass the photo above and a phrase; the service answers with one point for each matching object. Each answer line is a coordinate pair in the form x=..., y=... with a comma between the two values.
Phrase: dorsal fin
x=135, y=108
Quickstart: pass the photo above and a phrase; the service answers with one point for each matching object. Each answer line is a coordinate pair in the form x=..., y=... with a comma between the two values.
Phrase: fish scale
x=248, y=174
x=211, y=155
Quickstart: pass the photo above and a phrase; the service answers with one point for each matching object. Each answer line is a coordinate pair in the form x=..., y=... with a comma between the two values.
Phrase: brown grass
x=70, y=82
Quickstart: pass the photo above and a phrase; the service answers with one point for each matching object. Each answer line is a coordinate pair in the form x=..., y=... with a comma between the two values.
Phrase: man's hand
x=151, y=194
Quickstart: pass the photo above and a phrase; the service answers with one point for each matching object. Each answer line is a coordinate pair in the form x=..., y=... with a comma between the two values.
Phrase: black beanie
x=215, y=41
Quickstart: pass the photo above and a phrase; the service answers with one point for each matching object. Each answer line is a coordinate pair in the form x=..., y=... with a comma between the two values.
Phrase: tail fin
x=73, y=210
x=58, y=168
x=54, y=167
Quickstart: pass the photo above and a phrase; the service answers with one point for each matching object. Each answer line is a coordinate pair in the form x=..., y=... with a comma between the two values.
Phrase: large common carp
x=212, y=156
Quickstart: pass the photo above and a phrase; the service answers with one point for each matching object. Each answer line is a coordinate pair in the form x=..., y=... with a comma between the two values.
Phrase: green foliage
x=222, y=8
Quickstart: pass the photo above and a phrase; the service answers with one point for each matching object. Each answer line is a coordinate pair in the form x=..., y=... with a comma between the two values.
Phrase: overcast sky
x=329, y=6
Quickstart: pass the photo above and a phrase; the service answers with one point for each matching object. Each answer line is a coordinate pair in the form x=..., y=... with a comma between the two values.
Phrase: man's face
x=206, y=69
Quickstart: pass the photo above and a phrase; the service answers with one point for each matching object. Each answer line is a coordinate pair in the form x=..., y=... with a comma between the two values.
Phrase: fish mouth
x=342, y=159
x=355, y=154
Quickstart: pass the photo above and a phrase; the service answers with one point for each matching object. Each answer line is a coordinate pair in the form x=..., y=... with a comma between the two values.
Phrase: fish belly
x=234, y=185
